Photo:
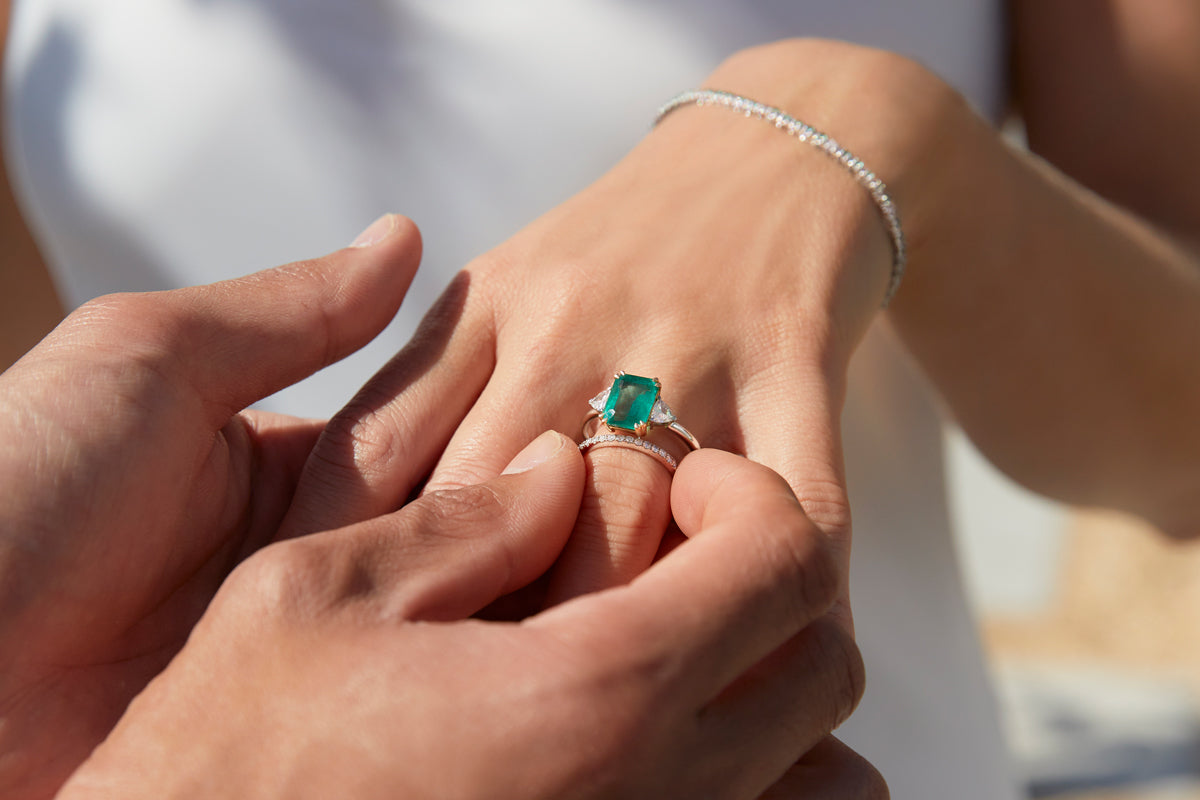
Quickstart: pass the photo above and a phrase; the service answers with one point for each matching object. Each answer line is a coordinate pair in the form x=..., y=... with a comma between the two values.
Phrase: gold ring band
x=674, y=427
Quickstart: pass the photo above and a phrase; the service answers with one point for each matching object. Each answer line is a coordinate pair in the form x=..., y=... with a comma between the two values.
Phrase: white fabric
x=159, y=143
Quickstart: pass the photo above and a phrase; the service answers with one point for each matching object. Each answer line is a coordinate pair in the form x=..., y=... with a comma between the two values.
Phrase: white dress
x=159, y=143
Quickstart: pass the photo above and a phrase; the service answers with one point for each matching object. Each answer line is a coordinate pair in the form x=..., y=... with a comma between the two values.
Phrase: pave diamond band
x=675, y=428
x=623, y=440
x=806, y=133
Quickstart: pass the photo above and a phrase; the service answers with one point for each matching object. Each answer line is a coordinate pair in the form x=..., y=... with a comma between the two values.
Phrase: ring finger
x=626, y=502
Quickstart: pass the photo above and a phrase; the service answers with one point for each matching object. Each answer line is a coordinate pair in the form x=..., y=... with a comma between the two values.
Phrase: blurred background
x=1090, y=620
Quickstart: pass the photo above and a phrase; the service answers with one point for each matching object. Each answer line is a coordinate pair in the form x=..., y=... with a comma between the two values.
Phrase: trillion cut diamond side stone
x=600, y=401
x=662, y=414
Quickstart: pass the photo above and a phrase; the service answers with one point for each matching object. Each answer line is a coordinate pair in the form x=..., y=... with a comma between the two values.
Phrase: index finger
x=753, y=573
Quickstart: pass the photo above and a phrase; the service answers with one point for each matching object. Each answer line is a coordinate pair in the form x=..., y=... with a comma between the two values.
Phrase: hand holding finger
x=381, y=444
x=754, y=572
x=320, y=651
x=450, y=553
x=626, y=501
x=733, y=624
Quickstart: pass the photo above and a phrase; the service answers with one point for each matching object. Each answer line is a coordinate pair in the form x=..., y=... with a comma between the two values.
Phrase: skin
x=1143, y=57
x=346, y=663
x=1106, y=296
x=1086, y=398
x=117, y=533
x=136, y=564
x=523, y=316
x=1060, y=329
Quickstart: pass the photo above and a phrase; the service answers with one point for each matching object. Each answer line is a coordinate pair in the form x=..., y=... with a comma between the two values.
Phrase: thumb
x=237, y=341
x=449, y=554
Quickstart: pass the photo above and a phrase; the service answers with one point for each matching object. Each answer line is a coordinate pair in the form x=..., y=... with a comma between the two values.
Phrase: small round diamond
x=612, y=438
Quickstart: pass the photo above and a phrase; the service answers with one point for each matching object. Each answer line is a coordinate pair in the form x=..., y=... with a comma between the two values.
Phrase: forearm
x=1061, y=331
x=1057, y=327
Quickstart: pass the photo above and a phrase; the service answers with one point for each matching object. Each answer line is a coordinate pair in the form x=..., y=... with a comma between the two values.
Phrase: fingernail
x=379, y=230
x=540, y=450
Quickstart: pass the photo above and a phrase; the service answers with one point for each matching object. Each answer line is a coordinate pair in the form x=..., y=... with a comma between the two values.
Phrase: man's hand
x=133, y=485
x=345, y=664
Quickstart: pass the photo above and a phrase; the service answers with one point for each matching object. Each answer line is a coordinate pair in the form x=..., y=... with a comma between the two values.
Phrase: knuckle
x=461, y=310
x=563, y=297
x=817, y=579
x=834, y=651
x=558, y=287
x=106, y=308
x=458, y=513
x=489, y=268
x=488, y=277
x=568, y=287
x=826, y=504
x=135, y=343
x=137, y=318
x=362, y=439
x=281, y=580
x=470, y=466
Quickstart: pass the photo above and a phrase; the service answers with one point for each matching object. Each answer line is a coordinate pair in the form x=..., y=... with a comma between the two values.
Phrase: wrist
x=905, y=123
x=786, y=204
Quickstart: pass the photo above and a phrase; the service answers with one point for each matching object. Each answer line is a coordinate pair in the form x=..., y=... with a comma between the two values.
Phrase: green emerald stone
x=630, y=402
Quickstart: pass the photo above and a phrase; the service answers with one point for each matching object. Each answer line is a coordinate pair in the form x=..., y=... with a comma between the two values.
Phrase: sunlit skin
x=137, y=564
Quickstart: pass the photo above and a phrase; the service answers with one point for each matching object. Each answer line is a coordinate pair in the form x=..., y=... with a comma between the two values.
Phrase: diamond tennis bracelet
x=805, y=133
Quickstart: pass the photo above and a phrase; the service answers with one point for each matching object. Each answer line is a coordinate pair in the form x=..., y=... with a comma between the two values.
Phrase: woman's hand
x=739, y=266
x=133, y=485
x=345, y=665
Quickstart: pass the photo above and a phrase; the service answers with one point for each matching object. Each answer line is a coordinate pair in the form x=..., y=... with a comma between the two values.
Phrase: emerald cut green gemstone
x=630, y=402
